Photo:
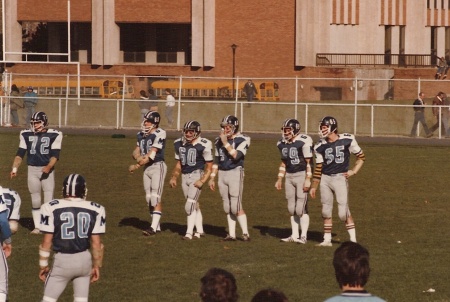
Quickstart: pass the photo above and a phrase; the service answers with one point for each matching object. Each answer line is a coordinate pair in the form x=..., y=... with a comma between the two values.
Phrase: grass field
x=400, y=202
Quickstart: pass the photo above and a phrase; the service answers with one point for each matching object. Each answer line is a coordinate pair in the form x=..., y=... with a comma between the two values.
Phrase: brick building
x=284, y=38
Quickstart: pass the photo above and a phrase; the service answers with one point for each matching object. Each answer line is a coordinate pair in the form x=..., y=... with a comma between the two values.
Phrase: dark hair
x=142, y=92
x=218, y=285
x=269, y=295
x=351, y=264
x=14, y=88
x=168, y=90
x=151, y=91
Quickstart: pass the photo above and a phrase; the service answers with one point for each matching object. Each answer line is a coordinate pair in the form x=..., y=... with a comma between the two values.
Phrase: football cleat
x=148, y=232
x=302, y=240
x=187, y=237
x=36, y=231
x=245, y=237
x=290, y=239
x=199, y=235
x=228, y=238
x=325, y=243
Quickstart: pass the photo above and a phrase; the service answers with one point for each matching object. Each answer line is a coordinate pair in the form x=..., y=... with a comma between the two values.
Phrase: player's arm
x=45, y=249
x=307, y=183
x=5, y=233
x=97, y=251
x=281, y=174
x=214, y=170
x=15, y=166
x=207, y=173
x=148, y=158
x=358, y=164
x=175, y=173
x=316, y=180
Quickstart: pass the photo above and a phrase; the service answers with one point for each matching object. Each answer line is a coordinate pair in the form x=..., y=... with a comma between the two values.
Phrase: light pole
x=233, y=47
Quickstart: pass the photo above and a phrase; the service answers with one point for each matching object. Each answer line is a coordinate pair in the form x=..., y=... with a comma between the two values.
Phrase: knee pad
x=154, y=199
x=190, y=206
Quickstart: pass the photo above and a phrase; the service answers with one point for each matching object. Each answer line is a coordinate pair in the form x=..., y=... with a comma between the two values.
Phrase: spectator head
x=14, y=88
x=30, y=88
x=351, y=265
x=269, y=295
x=142, y=92
x=218, y=285
x=151, y=92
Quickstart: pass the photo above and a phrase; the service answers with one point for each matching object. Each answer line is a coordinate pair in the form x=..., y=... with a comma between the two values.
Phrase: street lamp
x=233, y=47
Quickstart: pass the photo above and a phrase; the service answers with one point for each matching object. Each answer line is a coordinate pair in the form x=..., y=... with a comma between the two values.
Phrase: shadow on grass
x=172, y=227
x=286, y=232
x=27, y=223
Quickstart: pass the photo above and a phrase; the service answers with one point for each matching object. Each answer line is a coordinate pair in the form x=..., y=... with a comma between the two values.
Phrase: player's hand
x=349, y=173
x=198, y=184
x=12, y=174
x=43, y=273
x=223, y=137
x=46, y=170
x=212, y=184
x=7, y=249
x=142, y=160
x=173, y=182
x=133, y=168
x=312, y=192
x=95, y=274
x=278, y=184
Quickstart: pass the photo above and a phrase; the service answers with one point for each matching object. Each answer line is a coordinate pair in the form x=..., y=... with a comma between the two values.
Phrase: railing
x=398, y=60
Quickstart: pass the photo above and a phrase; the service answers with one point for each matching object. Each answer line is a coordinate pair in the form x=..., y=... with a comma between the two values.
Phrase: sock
x=304, y=223
x=191, y=222
x=242, y=219
x=231, y=225
x=156, y=217
x=295, y=225
x=36, y=213
x=327, y=232
x=199, y=222
x=351, y=231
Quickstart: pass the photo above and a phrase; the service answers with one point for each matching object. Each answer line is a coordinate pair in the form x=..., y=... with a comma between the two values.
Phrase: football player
x=230, y=149
x=42, y=147
x=194, y=161
x=296, y=154
x=13, y=202
x=149, y=152
x=71, y=226
x=5, y=235
x=332, y=155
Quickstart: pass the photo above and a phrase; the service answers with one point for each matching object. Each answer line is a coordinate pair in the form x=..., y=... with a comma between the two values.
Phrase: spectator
x=218, y=285
x=30, y=100
x=446, y=116
x=441, y=68
x=419, y=116
x=351, y=267
x=15, y=103
x=437, y=112
x=170, y=103
x=269, y=295
x=153, y=100
x=144, y=104
x=250, y=91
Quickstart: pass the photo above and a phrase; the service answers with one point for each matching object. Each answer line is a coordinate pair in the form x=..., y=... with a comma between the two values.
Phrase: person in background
x=144, y=104
x=153, y=100
x=15, y=104
x=5, y=251
x=352, y=270
x=170, y=103
x=250, y=91
x=437, y=112
x=269, y=295
x=29, y=102
x=419, y=116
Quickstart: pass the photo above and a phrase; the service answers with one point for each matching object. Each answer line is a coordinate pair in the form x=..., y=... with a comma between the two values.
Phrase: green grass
x=400, y=202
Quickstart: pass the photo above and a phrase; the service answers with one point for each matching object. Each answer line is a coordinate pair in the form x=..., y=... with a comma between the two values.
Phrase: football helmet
x=331, y=126
x=290, y=129
x=38, y=122
x=74, y=185
x=152, y=117
x=191, y=131
x=233, y=122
